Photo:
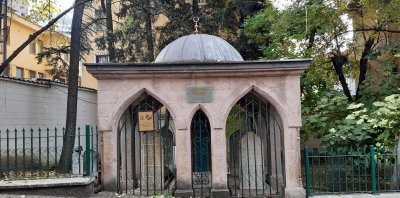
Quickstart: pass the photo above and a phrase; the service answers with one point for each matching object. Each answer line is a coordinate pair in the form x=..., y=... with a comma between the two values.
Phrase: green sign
x=199, y=93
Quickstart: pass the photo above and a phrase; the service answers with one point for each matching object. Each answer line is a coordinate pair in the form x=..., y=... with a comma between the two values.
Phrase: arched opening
x=201, y=154
x=146, y=148
x=255, y=153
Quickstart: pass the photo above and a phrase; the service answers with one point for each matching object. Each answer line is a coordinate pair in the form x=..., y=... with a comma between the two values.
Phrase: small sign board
x=146, y=121
x=199, y=93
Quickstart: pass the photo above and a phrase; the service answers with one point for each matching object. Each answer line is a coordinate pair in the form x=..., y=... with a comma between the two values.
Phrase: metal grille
x=146, y=159
x=201, y=155
x=255, y=149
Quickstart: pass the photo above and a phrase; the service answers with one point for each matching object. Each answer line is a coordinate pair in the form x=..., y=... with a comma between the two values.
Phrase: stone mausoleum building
x=201, y=122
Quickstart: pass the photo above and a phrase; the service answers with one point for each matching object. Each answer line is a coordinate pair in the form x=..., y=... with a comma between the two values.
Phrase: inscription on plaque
x=199, y=93
x=146, y=121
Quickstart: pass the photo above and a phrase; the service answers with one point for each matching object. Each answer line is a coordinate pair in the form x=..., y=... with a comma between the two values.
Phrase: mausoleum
x=202, y=122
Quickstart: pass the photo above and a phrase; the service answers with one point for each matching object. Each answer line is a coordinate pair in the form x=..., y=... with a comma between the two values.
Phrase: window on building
x=40, y=46
x=102, y=59
x=19, y=72
x=40, y=75
x=32, y=74
x=32, y=47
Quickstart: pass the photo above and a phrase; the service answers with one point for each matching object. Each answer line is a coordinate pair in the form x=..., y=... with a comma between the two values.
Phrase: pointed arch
x=145, y=158
x=266, y=97
x=197, y=108
x=128, y=102
x=255, y=147
x=200, y=132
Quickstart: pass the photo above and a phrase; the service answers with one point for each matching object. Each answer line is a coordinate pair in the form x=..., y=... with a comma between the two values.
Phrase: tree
x=72, y=101
x=42, y=10
x=321, y=30
x=54, y=57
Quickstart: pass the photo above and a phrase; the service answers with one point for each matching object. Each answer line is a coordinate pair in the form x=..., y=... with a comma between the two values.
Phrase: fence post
x=307, y=173
x=87, y=150
x=373, y=175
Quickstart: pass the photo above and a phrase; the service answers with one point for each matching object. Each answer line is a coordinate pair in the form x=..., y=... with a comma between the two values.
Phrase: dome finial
x=196, y=25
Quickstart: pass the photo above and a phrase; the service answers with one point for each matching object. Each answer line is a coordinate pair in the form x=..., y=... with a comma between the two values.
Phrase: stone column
x=183, y=163
x=109, y=163
x=219, y=164
x=293, y=188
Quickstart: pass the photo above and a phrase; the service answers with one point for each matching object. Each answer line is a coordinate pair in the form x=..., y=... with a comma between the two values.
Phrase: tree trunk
x=106, y=7
x=70, y=126
x=33, y=36
x=338, y=62
x=364, y=65
x=149, y=32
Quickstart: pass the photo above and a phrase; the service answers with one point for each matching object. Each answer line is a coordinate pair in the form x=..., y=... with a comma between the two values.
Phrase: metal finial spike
x=196, y=25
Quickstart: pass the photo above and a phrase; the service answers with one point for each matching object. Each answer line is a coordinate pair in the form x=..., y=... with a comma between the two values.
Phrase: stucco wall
x=27, y=104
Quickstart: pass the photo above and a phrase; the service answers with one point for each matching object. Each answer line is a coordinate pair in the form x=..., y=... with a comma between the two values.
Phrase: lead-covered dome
x=198, y=48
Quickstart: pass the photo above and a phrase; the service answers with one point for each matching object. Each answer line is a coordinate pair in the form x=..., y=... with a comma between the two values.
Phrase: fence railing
x=347, y=170
x=36, y=153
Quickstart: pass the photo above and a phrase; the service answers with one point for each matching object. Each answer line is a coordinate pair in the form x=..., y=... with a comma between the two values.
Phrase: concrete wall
x=27, y=104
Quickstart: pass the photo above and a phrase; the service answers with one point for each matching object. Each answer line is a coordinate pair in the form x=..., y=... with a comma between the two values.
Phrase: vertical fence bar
x=48, y=154
x=1, y=169
x=126, y=153
x=326, y=169
x=31, y=152
x=91, y=150
x=16, y=152
x=162, y=132
x=359, y=168
x=262, y=139
x=373, y=176
x=352, y=167
x=87, y=150
x=384, y=168
x=339, y=178
x=79, y=148
x=312, y=170
x=8, y=152
x=40, y=152
x=23, y=153
x=332, y=155
x=133, y=151
x=319, y=168
x=307, y=173
x=97, y=150
x=55, y=151
x=63, y=159
x=397, y=169
x=365, y=168
x=345, y=168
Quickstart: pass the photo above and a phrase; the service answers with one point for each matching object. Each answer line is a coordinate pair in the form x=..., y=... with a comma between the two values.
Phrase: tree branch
x=34, y=36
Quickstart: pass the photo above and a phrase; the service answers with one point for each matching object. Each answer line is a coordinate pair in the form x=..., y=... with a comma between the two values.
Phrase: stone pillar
x=183, y=163
x=294, y=187
x=219, y=164
x=109, y=163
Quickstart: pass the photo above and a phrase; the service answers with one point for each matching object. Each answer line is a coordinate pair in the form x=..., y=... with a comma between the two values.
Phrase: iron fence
x=352, y=170
x=37, y=153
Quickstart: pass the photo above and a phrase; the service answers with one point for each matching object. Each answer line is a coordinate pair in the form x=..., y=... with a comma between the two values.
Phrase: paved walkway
x=361, y=195
x=100, y=195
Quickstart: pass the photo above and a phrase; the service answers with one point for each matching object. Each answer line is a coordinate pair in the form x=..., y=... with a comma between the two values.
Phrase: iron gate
x=201, y=155
x=146, y=158
x=255, y=149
